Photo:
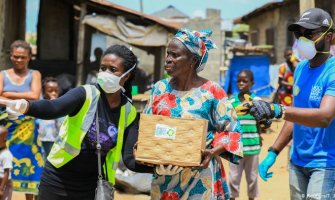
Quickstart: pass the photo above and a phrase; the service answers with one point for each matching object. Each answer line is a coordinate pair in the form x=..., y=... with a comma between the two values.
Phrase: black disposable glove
x=265, y=123
x=263, y=110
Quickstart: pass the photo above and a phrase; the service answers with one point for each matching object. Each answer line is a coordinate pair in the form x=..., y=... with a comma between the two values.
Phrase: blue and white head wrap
x=197, y=43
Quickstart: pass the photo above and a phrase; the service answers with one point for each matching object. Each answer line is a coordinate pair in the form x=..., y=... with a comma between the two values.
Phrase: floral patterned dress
x=208, y=102
x=285, y=92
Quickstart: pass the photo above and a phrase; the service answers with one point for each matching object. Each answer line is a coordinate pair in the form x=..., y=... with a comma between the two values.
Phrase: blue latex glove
x=265, y=166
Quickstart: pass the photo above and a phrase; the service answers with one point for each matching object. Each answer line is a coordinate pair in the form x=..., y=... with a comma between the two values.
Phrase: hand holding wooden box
x=166, y=140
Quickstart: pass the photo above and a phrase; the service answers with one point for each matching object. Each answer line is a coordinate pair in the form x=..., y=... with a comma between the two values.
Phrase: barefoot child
x=6, y=165
x=251, y=141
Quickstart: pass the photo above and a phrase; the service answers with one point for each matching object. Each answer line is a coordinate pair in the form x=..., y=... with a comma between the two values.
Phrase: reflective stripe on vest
x=127, y=116
x=67, y=146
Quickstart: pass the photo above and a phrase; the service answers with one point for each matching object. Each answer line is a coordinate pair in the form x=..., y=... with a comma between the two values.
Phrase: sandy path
x=275, y=189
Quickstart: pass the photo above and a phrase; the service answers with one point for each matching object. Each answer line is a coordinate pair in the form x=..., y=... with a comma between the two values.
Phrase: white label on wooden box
x=165, y=131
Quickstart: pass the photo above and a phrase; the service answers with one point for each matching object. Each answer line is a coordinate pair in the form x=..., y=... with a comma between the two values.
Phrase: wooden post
x=159, y=63
x=305, y=5
x=81, y=46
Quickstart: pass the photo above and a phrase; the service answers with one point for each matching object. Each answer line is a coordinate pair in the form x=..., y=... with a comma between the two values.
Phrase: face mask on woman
x=306, y=47
x=109, y=82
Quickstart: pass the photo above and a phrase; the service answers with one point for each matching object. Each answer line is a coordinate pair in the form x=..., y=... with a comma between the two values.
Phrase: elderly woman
x=187, y=95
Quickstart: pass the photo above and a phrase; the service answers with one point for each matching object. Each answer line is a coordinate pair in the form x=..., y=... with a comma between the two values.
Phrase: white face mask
x=109, y=82
x=306, y=47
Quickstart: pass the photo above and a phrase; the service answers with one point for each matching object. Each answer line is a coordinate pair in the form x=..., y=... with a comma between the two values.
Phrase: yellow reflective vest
x=73, y=130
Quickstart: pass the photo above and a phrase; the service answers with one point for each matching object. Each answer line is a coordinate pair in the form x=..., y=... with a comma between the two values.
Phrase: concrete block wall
x=213, y=22
x=278, y=19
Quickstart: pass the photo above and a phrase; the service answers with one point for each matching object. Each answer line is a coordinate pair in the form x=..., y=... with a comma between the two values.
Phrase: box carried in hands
x=166, y=140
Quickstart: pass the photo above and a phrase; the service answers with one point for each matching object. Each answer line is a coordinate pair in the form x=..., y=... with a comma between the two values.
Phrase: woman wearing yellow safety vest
x=71, y=170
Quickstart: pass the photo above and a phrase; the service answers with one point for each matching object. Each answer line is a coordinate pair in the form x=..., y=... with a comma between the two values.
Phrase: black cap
x=312, y=19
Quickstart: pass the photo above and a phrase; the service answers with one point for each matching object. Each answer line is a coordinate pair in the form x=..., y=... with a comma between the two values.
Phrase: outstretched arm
x=312, y=117
x=68, y=104
x=316, y=117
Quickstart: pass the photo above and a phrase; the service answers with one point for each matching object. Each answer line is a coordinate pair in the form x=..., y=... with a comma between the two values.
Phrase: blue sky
x=230, y=9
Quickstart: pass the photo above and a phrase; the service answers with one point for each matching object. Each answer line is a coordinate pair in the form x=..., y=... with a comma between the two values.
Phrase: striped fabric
x=250, y=136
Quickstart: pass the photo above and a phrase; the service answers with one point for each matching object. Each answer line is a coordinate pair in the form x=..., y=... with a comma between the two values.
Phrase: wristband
x=283, y=110
x=276, y=110
x=273, y=150
x=279, y=110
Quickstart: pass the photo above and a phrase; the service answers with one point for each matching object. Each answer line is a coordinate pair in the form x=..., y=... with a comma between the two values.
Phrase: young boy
x=250, y=138
x=6, y=165
x=48, y=129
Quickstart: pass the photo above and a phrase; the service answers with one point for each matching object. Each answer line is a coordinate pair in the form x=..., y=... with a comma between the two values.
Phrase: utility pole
x=80, y=46
x=141, y=6
x=305, y=5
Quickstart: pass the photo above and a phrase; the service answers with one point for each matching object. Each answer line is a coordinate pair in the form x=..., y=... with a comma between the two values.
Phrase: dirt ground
x=276, y=188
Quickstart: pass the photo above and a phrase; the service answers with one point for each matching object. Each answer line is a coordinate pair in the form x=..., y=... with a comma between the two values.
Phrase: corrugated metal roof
x=142, y=16
x=170, y=12
x=257, y=11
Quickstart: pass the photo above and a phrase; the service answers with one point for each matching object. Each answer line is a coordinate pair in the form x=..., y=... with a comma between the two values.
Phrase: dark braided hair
x=129, y=60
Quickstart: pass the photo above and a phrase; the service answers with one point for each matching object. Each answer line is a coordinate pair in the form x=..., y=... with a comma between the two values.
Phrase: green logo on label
x=171, y=132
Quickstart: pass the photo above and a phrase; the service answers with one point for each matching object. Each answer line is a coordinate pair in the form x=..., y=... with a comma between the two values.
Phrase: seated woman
x=187, y=95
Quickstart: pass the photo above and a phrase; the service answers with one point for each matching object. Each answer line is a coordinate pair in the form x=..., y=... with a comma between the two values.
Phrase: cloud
x=199, y=13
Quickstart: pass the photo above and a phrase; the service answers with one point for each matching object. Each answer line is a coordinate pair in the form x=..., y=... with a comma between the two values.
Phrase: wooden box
x=167, y=140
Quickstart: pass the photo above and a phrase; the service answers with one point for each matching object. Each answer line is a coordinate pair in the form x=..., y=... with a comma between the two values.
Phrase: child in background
x=6, y=165
x=251, y=141
x=48, y=129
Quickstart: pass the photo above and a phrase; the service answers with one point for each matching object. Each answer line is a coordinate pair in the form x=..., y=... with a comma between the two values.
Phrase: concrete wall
x=12, y=27
x=279, y=19
x=213, y=22
x=3, y=54
x=54, y=32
